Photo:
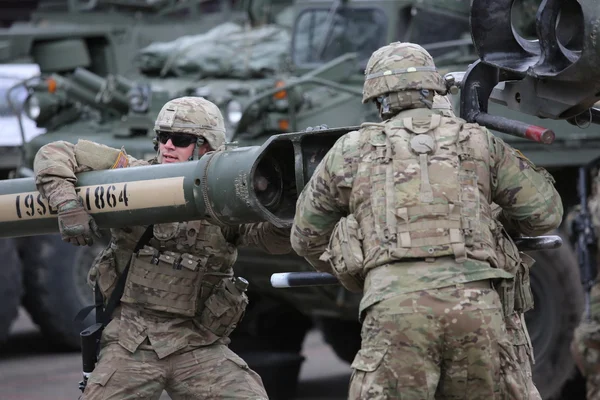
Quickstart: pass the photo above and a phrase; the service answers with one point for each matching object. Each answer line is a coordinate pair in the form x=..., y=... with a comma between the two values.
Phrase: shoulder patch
x=96, y=156
x=121, y=161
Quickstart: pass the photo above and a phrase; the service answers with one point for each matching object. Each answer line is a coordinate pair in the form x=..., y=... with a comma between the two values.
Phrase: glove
x=76, y=225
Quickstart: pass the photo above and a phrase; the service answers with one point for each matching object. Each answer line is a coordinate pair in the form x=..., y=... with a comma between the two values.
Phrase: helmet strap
x=197, y=145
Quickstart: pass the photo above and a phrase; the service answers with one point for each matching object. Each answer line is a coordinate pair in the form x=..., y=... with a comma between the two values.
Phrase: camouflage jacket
x=526, y=194
x=594, y=209
x=55, y=167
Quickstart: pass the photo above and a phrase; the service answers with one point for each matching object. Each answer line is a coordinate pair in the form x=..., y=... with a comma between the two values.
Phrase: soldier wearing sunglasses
x=162, y=335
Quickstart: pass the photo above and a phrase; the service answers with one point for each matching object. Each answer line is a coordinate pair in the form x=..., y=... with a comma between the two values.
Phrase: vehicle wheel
x=558, y=297
x=56, y=286
x=11, y=286
x=270, y=338
x=343, y=336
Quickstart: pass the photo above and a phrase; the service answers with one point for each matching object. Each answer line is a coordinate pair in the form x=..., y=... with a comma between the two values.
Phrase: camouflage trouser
x=586, y=352
x=212, y=372
x=448, y=343
x=517, y=332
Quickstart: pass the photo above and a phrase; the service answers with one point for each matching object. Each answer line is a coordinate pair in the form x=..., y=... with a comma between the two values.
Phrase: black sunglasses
x=178, y=139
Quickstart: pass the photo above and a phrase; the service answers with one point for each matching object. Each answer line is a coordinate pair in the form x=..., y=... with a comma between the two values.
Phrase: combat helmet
x=405, y=68
x=193, y=116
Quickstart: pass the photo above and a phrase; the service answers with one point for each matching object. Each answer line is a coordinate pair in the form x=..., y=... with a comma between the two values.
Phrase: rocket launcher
x=231, y=186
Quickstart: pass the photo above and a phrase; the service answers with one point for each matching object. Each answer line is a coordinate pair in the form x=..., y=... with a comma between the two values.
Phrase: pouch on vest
x=523, y=293
x=345, y=254
x=104, y=272
x=164, y=281
x=515, y=294
x=224, y=308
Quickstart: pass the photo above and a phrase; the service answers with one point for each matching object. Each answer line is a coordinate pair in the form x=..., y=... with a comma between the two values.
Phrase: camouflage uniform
x=586, y=341
x=586, y=347
x=401, y=211
x=165, y=335
x=515, y=322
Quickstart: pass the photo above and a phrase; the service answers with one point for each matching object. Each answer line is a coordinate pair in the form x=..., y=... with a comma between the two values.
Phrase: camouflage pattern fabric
x=133, y=327
x=55, y=167
x=443, y=105
x=194, y=116
x=211, y=372
x=447, y=343
x=515, y=323
x=519, y=338
x=586, y=347
x=400, y=66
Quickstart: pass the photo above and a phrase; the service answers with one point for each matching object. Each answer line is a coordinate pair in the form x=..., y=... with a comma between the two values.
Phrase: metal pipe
x=515, y=128
x=231, y=187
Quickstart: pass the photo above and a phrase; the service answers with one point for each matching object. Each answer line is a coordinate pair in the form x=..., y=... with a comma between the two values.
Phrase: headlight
x=32, y=107
x=234, y=112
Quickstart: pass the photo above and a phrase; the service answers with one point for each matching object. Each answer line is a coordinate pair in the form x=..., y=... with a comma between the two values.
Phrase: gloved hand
x=76, y=225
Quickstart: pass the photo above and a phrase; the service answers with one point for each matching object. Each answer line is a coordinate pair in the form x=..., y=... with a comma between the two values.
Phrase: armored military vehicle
x=330, y=44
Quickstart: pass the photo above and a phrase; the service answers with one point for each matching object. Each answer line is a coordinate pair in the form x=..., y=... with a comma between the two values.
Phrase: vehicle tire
x=343, y=336
x=11, y=286
x=270, y=338
x=559, y=301
x=56, y=287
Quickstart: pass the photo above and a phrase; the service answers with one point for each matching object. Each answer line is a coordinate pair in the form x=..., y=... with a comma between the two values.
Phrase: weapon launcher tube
x=219, y=186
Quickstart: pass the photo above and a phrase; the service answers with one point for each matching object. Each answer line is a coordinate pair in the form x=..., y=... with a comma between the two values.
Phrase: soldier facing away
x=163, y=335
x=401, y=210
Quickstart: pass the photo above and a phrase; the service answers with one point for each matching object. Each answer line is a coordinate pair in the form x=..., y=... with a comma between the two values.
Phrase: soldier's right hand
x=76, y=225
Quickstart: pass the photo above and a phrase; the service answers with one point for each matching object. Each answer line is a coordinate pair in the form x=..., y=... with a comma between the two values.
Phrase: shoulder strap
x=115, y=296
x=103, y=314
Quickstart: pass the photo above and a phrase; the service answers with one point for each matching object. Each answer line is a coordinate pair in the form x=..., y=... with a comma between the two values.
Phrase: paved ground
x=30, y=370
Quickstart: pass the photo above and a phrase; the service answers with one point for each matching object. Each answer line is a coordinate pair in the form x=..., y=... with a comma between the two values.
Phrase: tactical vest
x=422, y=190
x=185, y=271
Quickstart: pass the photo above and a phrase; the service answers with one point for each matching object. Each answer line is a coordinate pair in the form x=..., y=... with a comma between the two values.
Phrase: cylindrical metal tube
x=233, y=187
x=298, y=279
x=115, y=198
x=538, y=243
x=79, y=93
x=516, y=128
x=231, y=184
x=111, y=93
x=88, y=79
x=123, y=85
